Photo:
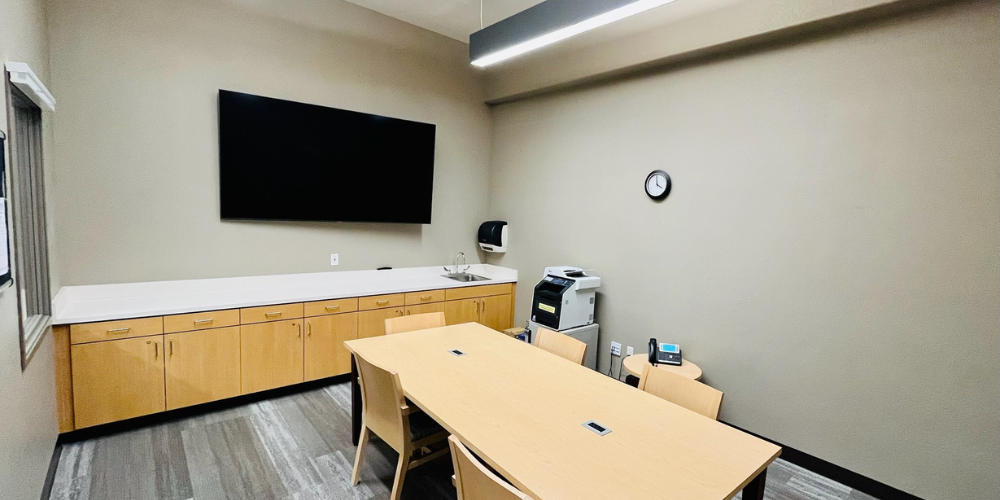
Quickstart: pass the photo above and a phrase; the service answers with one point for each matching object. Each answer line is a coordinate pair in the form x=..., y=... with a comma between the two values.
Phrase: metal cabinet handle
x=205, y=321
x=275, y=314
x=298, y=327
x=381, y=302
x=332, y=308
x=477, y=307
x=309, y=329
x=156, y=350
x=171, y=347
x=120, y=330
x=426, y=297
x=399, y=312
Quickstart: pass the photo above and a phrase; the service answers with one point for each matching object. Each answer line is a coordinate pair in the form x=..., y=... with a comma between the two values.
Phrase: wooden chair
x=681, y=391
x=386, y=414
x=414, y=322
x=561, y=345
x=474, y=481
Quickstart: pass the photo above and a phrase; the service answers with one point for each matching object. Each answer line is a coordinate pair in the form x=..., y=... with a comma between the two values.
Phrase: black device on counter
x=668, y=354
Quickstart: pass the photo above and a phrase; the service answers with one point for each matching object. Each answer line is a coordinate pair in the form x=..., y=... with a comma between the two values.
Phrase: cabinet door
x=325, y=354
x=495, y=312
x=461, y=311
x=202, y=366
x=372, y=323
x=271, y=355
x=117, y=379
x=425, y=308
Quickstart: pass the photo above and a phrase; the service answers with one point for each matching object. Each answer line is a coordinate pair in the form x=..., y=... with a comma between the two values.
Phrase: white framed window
x=26, y=207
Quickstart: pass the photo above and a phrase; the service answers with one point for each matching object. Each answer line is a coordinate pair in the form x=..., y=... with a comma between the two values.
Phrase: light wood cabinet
x=117, y=380
x=470, y=292
x=115, y=330
x=494, y=312
x=381, y=301
x=271, y=355
x=335, y=306
x=201, y=321
x=325, y=354
x=424, y=309
x=270, y=313
x=372, y=323
x=425, y=297
x=461, y=311
x=202, y=366
x=124, y=368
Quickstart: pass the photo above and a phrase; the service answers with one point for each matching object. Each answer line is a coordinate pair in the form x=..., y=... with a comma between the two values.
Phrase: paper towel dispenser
x=493, y=236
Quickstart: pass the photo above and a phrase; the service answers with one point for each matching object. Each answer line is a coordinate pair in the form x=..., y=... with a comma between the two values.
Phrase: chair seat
x=423, y=426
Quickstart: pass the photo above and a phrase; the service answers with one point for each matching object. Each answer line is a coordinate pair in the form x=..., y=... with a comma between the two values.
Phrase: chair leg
x=356, y=476
x=401, y=468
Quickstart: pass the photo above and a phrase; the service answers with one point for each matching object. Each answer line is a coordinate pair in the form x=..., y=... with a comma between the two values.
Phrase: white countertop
x=82, y=304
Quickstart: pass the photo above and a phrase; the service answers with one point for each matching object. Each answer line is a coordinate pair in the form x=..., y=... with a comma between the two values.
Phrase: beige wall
x=137, y=154
x=27, y=398
x=829, y=254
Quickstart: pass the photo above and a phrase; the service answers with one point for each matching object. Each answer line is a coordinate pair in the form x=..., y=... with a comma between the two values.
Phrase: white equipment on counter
x=564, y=298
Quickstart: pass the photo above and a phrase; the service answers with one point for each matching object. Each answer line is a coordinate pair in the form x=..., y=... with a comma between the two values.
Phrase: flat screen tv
x=285, y=160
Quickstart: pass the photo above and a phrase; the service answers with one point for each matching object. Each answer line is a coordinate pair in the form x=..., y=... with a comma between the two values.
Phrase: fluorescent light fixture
x=483, y=44
x=26, y=81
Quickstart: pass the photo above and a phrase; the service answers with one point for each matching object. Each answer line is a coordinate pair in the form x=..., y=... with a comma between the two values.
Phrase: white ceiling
x=453, y=18
x=459, y=18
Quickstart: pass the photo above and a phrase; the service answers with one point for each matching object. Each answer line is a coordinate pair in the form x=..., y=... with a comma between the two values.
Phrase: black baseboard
x=835, y=472
x=50, y=476
x=182, y=413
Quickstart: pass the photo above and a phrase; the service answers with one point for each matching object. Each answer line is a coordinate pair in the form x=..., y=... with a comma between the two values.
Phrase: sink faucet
x=459, y=263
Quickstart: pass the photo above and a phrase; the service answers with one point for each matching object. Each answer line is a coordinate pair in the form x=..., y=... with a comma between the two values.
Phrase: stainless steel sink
x=465, y=277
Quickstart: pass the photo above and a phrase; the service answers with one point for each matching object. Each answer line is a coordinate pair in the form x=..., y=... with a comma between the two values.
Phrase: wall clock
x=658, y=184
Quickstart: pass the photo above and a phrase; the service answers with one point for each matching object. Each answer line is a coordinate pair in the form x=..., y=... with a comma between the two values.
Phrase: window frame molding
x=31, y=330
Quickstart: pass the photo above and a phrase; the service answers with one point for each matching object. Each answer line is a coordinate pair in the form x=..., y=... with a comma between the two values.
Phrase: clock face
x=658, y=185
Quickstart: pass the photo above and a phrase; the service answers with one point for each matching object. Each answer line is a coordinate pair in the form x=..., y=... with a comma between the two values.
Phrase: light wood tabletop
x=522, y=410
x=635, y=362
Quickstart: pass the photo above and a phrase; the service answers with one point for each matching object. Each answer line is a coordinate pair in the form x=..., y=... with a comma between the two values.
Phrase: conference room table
x=523, y=411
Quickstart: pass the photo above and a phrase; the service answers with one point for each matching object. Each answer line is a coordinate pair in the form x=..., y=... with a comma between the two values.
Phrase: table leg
x=755, y=489
x=355, y=404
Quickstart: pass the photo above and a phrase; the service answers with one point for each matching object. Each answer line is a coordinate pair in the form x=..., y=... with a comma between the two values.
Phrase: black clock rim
x=666, y=192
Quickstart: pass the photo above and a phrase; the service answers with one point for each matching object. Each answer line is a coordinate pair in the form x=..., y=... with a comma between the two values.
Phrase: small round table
x=636, y=362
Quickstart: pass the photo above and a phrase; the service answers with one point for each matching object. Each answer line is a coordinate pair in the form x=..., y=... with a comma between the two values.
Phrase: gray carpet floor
x=295, y=447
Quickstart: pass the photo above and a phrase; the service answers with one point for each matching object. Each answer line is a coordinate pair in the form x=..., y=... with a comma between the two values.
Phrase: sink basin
x=465, y=277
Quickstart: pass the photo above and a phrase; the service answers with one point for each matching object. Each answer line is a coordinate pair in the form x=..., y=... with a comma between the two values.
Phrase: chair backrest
x=414, y=322
x=561, y=345
x=474, y=481
x=382, y=399
x=681, y=391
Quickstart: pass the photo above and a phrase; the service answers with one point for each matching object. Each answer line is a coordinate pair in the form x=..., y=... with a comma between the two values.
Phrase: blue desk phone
x=668, y=354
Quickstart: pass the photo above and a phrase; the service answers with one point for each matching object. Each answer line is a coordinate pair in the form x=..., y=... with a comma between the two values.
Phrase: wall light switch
x=630, y=351
x=616, y=349
x=334, y=259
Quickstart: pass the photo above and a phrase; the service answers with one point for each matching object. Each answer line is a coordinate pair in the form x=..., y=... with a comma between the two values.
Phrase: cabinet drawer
x=249, y=315
x=427, y=297
x=115, y=330
x=331, y=307
x=201, y=321
x=476, y=291
x=380, y=301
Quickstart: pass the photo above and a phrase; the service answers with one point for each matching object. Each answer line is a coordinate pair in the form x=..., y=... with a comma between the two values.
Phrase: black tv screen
x=285, y=160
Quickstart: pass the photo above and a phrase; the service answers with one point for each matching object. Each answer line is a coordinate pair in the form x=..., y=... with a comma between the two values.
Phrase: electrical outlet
x=334, y=259
x=616, y=349
x=630, y=351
